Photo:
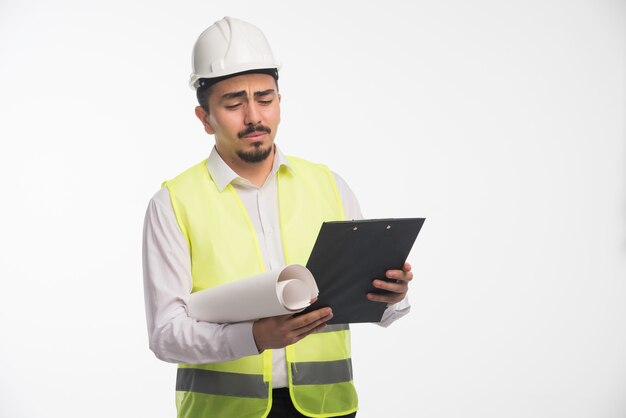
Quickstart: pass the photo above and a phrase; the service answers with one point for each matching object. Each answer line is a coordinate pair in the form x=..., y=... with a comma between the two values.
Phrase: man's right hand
x=283, y=330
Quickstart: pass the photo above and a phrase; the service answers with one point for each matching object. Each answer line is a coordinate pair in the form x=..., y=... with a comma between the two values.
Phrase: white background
x=502, y=123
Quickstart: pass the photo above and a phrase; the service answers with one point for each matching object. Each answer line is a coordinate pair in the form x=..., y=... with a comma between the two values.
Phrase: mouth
x=254, y=136
x=254, y=133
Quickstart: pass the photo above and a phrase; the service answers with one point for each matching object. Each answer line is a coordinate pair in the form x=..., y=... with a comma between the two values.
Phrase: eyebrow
x=263, y=93
x=242, y=93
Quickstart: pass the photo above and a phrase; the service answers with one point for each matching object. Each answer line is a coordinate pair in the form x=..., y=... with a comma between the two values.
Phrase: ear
x=203, y=116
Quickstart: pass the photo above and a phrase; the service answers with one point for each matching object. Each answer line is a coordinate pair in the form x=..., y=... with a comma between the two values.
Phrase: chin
x=257, y=154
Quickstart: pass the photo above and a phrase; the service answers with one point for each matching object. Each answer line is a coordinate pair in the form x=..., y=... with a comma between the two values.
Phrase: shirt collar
x=223, y=175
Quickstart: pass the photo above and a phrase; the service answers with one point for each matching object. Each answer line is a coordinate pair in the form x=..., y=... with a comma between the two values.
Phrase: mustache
x=253, y=128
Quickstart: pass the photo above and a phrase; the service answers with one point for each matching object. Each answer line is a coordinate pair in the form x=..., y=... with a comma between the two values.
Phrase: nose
x=252, y=115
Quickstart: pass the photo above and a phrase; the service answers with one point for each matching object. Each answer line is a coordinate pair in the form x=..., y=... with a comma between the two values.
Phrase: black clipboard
x=348, y=255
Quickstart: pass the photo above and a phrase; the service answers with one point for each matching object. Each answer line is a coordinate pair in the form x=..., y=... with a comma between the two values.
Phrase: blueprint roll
x=277, y=292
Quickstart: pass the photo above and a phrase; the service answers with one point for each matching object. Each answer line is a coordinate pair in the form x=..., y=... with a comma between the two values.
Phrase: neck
x=255, y=173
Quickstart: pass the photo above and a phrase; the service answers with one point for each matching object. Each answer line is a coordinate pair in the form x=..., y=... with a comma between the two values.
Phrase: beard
x=257, y=155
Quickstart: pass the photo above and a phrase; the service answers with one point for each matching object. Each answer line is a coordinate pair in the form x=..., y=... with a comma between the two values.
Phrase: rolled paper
x=276, y=292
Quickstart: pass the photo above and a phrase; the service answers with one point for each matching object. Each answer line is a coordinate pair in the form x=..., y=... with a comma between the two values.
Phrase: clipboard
x=348, y=255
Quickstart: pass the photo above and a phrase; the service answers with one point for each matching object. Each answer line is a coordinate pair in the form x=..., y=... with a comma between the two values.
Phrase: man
x=246, y=209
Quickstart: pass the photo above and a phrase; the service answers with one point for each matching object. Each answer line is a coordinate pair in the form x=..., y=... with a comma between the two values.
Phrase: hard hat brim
x=206, y=82
x=272, y=70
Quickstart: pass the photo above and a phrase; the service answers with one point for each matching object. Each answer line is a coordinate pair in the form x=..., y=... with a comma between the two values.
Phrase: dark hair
x=205, y=84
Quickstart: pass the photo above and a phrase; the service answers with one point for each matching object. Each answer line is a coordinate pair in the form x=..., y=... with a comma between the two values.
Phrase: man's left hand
x=399, y=289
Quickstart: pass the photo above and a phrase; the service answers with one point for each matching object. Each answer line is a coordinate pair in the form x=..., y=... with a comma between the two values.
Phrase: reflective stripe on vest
x=321, y=372
x=224, y=247
x=334, y=328
x=221, y=383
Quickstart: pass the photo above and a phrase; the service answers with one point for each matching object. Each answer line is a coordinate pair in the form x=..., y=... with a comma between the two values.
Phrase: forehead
x=247, y=82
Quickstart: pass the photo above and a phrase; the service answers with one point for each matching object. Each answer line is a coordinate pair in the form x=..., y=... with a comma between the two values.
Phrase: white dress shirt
x=174, y=336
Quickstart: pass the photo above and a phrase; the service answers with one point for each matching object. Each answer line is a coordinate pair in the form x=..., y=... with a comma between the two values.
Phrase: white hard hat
x=230, y=46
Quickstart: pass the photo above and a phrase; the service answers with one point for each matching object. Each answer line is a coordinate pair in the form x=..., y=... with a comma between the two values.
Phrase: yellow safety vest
x=224, y=247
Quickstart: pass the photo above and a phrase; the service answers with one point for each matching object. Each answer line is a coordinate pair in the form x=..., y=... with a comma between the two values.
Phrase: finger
x=318, y=328
x=303, y=331
x=306, y=319
x=405, y=276
x=391, y=299
x=407, y=267
x=399, y=287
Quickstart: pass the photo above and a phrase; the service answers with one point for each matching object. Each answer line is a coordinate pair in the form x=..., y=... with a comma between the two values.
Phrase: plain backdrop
x=501, y=122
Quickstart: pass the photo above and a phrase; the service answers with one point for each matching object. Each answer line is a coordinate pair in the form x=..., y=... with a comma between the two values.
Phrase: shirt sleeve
x=352, y=210
x=173, y=335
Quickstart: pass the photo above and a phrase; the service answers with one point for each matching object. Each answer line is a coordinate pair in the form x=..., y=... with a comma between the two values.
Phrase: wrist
x=256, y=336
x=240, y=339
